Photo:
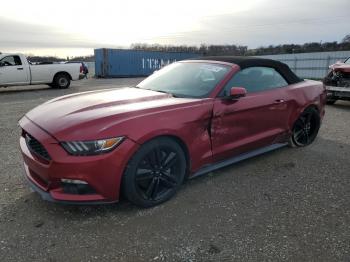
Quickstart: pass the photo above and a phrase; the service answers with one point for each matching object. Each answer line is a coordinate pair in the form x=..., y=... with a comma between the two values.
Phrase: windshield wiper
x=160, y=91
x=172, y=94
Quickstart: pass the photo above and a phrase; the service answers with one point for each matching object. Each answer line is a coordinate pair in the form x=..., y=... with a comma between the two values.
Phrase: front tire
x=155, y=173
x=305, y=128
x=62, y=81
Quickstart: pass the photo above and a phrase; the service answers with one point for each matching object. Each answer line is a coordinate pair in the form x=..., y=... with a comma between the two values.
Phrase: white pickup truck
x=15, y=70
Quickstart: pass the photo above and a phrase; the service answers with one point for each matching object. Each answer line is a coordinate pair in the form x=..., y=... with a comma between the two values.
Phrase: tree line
x=36, y=59
x=239, y=50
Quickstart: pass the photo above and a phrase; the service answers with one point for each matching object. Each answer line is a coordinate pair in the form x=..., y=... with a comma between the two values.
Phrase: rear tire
x=61, y=81
x=155, y=173
x=306, y=128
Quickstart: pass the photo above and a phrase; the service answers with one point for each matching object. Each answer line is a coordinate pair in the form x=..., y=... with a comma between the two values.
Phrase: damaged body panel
x=338, y=82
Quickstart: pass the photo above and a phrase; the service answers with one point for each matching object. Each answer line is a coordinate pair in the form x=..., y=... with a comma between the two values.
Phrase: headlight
x=89, y=148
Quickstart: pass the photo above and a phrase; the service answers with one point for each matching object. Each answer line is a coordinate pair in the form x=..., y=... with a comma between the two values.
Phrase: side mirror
x=237, y=92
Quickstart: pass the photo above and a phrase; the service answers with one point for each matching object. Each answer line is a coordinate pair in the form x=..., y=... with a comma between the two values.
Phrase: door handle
x=20, y=68
x=278, y=101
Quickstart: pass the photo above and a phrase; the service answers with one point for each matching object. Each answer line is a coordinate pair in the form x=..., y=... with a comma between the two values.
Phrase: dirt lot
x=291, y=204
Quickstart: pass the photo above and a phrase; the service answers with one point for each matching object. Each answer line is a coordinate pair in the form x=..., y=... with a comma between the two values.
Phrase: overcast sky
x=74, y=27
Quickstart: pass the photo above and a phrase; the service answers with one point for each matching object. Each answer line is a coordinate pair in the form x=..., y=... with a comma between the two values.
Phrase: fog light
x=76, y=187
x=73, y=181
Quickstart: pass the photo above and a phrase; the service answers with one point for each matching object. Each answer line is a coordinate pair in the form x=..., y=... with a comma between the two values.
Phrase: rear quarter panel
x=301, y=95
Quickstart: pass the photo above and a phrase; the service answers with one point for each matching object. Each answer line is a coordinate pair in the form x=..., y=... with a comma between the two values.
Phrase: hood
x=342, y=67
x=80, y=111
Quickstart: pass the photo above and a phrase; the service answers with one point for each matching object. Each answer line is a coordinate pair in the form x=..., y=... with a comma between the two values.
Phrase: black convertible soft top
x=249, y=61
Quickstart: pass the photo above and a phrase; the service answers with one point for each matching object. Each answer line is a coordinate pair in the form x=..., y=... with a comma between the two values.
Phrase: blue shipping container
x=125, y=63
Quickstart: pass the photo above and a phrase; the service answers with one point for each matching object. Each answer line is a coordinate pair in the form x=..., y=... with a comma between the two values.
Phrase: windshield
x=194, y=79
x=347, y=61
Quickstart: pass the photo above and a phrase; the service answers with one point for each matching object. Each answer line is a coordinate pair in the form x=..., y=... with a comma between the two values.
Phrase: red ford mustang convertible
x=185, y=120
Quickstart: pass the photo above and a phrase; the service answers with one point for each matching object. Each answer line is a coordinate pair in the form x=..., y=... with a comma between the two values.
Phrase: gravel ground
x=291, y=204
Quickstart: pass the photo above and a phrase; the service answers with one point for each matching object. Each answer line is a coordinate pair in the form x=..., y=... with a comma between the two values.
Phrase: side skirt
x=211, y=167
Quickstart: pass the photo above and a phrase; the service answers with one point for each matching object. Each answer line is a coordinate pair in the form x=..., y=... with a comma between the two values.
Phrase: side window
x=256, y=79
x=11, y=61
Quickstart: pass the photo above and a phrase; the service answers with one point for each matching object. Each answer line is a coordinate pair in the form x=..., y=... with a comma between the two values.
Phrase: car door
x=12, y=71
x=253, y=121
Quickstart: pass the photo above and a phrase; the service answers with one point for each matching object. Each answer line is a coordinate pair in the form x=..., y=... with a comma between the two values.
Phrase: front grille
x=37, y=148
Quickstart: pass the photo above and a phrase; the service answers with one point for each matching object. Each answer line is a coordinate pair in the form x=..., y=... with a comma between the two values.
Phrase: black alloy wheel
x=306, y=128
x=155, y=172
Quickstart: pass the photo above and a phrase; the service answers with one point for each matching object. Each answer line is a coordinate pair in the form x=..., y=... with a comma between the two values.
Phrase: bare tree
x=346, y=39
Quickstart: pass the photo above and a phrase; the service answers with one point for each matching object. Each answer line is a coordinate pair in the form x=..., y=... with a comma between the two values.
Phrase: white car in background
x=15, y=70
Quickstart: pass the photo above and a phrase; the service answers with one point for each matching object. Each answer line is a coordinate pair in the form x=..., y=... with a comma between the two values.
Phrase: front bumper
x=47, y=196
x=102, y=173
x=339, y=92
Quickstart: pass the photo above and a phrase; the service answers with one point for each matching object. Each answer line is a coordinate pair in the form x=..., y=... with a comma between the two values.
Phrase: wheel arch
x=294, y=117
x=63, y=73
x=123, y=178
x=311, y=108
